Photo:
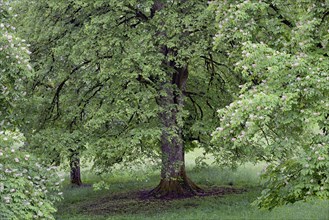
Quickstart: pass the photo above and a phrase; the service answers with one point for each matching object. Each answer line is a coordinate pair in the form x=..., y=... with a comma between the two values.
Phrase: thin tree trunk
x=75, y=169
x=174, y=181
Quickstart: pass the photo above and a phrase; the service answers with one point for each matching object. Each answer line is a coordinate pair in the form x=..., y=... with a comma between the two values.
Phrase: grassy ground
x=121, y=200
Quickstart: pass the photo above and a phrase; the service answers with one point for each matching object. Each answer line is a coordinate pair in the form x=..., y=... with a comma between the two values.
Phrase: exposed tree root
x=175, y=188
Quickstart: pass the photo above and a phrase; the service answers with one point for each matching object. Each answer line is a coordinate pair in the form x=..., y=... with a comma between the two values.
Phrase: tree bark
x=75, y=169
x=174, y=181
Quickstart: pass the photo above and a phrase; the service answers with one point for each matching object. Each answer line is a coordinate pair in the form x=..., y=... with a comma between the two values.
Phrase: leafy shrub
x=27, y=188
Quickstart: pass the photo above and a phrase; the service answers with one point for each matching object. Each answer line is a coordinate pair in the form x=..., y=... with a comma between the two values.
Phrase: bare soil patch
x=137, y=202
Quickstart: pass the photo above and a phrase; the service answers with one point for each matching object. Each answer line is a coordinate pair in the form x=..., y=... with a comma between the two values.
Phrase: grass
x=120, y=200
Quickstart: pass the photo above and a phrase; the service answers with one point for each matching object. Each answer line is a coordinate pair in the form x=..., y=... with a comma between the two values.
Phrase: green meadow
x=122, y=201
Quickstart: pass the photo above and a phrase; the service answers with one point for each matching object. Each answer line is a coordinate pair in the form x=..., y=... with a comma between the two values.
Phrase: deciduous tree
x=27, y=188
x=281, y=116
x=130, y=76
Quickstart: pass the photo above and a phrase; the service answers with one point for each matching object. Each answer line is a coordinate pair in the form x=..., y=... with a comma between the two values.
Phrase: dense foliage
x=102, y=66
x=27, y=188
x=281, y=115
x=117, y=79
x=14, y=66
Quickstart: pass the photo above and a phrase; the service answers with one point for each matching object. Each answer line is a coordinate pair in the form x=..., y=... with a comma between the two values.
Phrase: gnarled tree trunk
x=174, y=181
x=75, y=169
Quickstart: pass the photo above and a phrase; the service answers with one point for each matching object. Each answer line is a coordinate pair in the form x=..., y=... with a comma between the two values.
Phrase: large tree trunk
x=174, y=181
x=75, y=169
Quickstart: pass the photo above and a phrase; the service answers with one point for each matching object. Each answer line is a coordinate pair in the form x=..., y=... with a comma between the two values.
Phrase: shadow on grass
x=226, y=199
x=133, y=202
x=125, y=196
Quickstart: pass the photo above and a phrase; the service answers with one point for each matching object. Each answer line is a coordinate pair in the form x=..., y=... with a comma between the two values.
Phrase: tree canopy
x=281, y=116
x=28, y=188
x=132, y=80
x=117, y=72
